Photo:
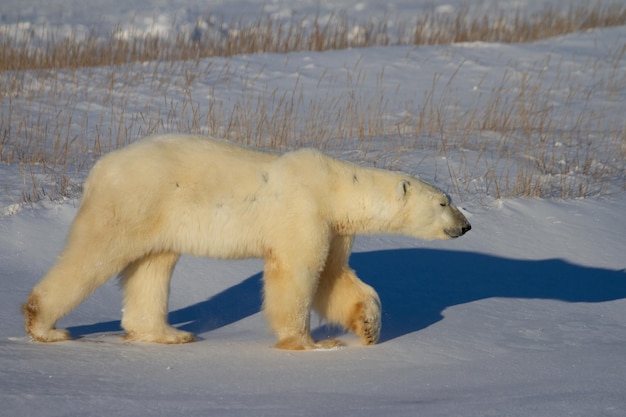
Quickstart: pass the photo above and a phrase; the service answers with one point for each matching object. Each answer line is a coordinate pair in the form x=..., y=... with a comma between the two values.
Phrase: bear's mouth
x=458, y=231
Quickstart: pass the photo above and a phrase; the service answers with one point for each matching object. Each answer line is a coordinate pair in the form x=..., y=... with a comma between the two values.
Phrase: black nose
x=466, y=228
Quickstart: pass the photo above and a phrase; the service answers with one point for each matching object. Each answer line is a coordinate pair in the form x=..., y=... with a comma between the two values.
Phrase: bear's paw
x=306, y=343
x=169, y=335
x=36, y=326
x=366, y=321
x=50, y=336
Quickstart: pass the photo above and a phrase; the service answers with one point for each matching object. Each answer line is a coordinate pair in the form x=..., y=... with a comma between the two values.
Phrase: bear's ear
x=402, y=188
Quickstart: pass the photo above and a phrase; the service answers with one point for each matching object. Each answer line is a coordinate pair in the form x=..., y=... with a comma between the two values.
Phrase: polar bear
x=163, y=196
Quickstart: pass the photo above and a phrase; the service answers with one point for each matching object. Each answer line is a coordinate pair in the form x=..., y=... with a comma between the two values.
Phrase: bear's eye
x=443, y=204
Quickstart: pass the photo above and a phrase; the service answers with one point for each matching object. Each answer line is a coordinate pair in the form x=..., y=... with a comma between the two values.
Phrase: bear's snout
x=461, y=227
x=458, y=231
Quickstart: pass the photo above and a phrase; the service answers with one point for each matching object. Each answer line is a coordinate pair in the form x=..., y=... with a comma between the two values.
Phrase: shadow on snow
x=415, y=287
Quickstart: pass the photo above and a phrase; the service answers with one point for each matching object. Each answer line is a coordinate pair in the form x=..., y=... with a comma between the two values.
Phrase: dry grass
x=67, y=110
x=518, y=143
x=270, y=35
x=437, y=29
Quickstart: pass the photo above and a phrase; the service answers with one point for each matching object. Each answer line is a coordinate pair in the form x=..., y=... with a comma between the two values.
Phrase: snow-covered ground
x=524, y=316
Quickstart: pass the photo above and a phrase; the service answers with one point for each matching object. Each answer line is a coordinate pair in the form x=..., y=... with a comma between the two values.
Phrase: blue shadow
x=229, y=306
x=415, y=287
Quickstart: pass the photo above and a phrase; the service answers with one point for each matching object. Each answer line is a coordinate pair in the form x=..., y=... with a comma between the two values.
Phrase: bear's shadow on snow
x=415, y=287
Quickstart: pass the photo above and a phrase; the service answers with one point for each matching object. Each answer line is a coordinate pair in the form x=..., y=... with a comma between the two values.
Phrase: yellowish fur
x=148, y=203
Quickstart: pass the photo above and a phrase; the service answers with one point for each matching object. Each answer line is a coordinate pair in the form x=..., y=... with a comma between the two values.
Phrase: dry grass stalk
x=269, y=35
x=538, y=152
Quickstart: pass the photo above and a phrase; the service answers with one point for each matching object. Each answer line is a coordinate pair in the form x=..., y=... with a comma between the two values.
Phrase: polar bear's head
x=426, y=212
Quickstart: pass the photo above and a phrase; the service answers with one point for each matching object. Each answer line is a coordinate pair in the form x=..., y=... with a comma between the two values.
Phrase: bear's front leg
x=365, y=320
x=343, y=299
x=288, y=296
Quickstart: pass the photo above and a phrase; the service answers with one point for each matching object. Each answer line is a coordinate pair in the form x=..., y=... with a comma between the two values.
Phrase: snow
x=523, y=316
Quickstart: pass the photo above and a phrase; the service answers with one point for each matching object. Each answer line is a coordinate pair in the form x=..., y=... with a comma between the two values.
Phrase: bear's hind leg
x=343, y=299
x=76, y=275
x=146, y=284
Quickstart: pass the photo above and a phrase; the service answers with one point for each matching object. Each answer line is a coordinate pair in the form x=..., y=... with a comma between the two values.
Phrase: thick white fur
x=146, y=204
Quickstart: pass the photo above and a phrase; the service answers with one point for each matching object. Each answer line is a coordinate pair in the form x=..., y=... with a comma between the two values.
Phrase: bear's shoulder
x=308, y=157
